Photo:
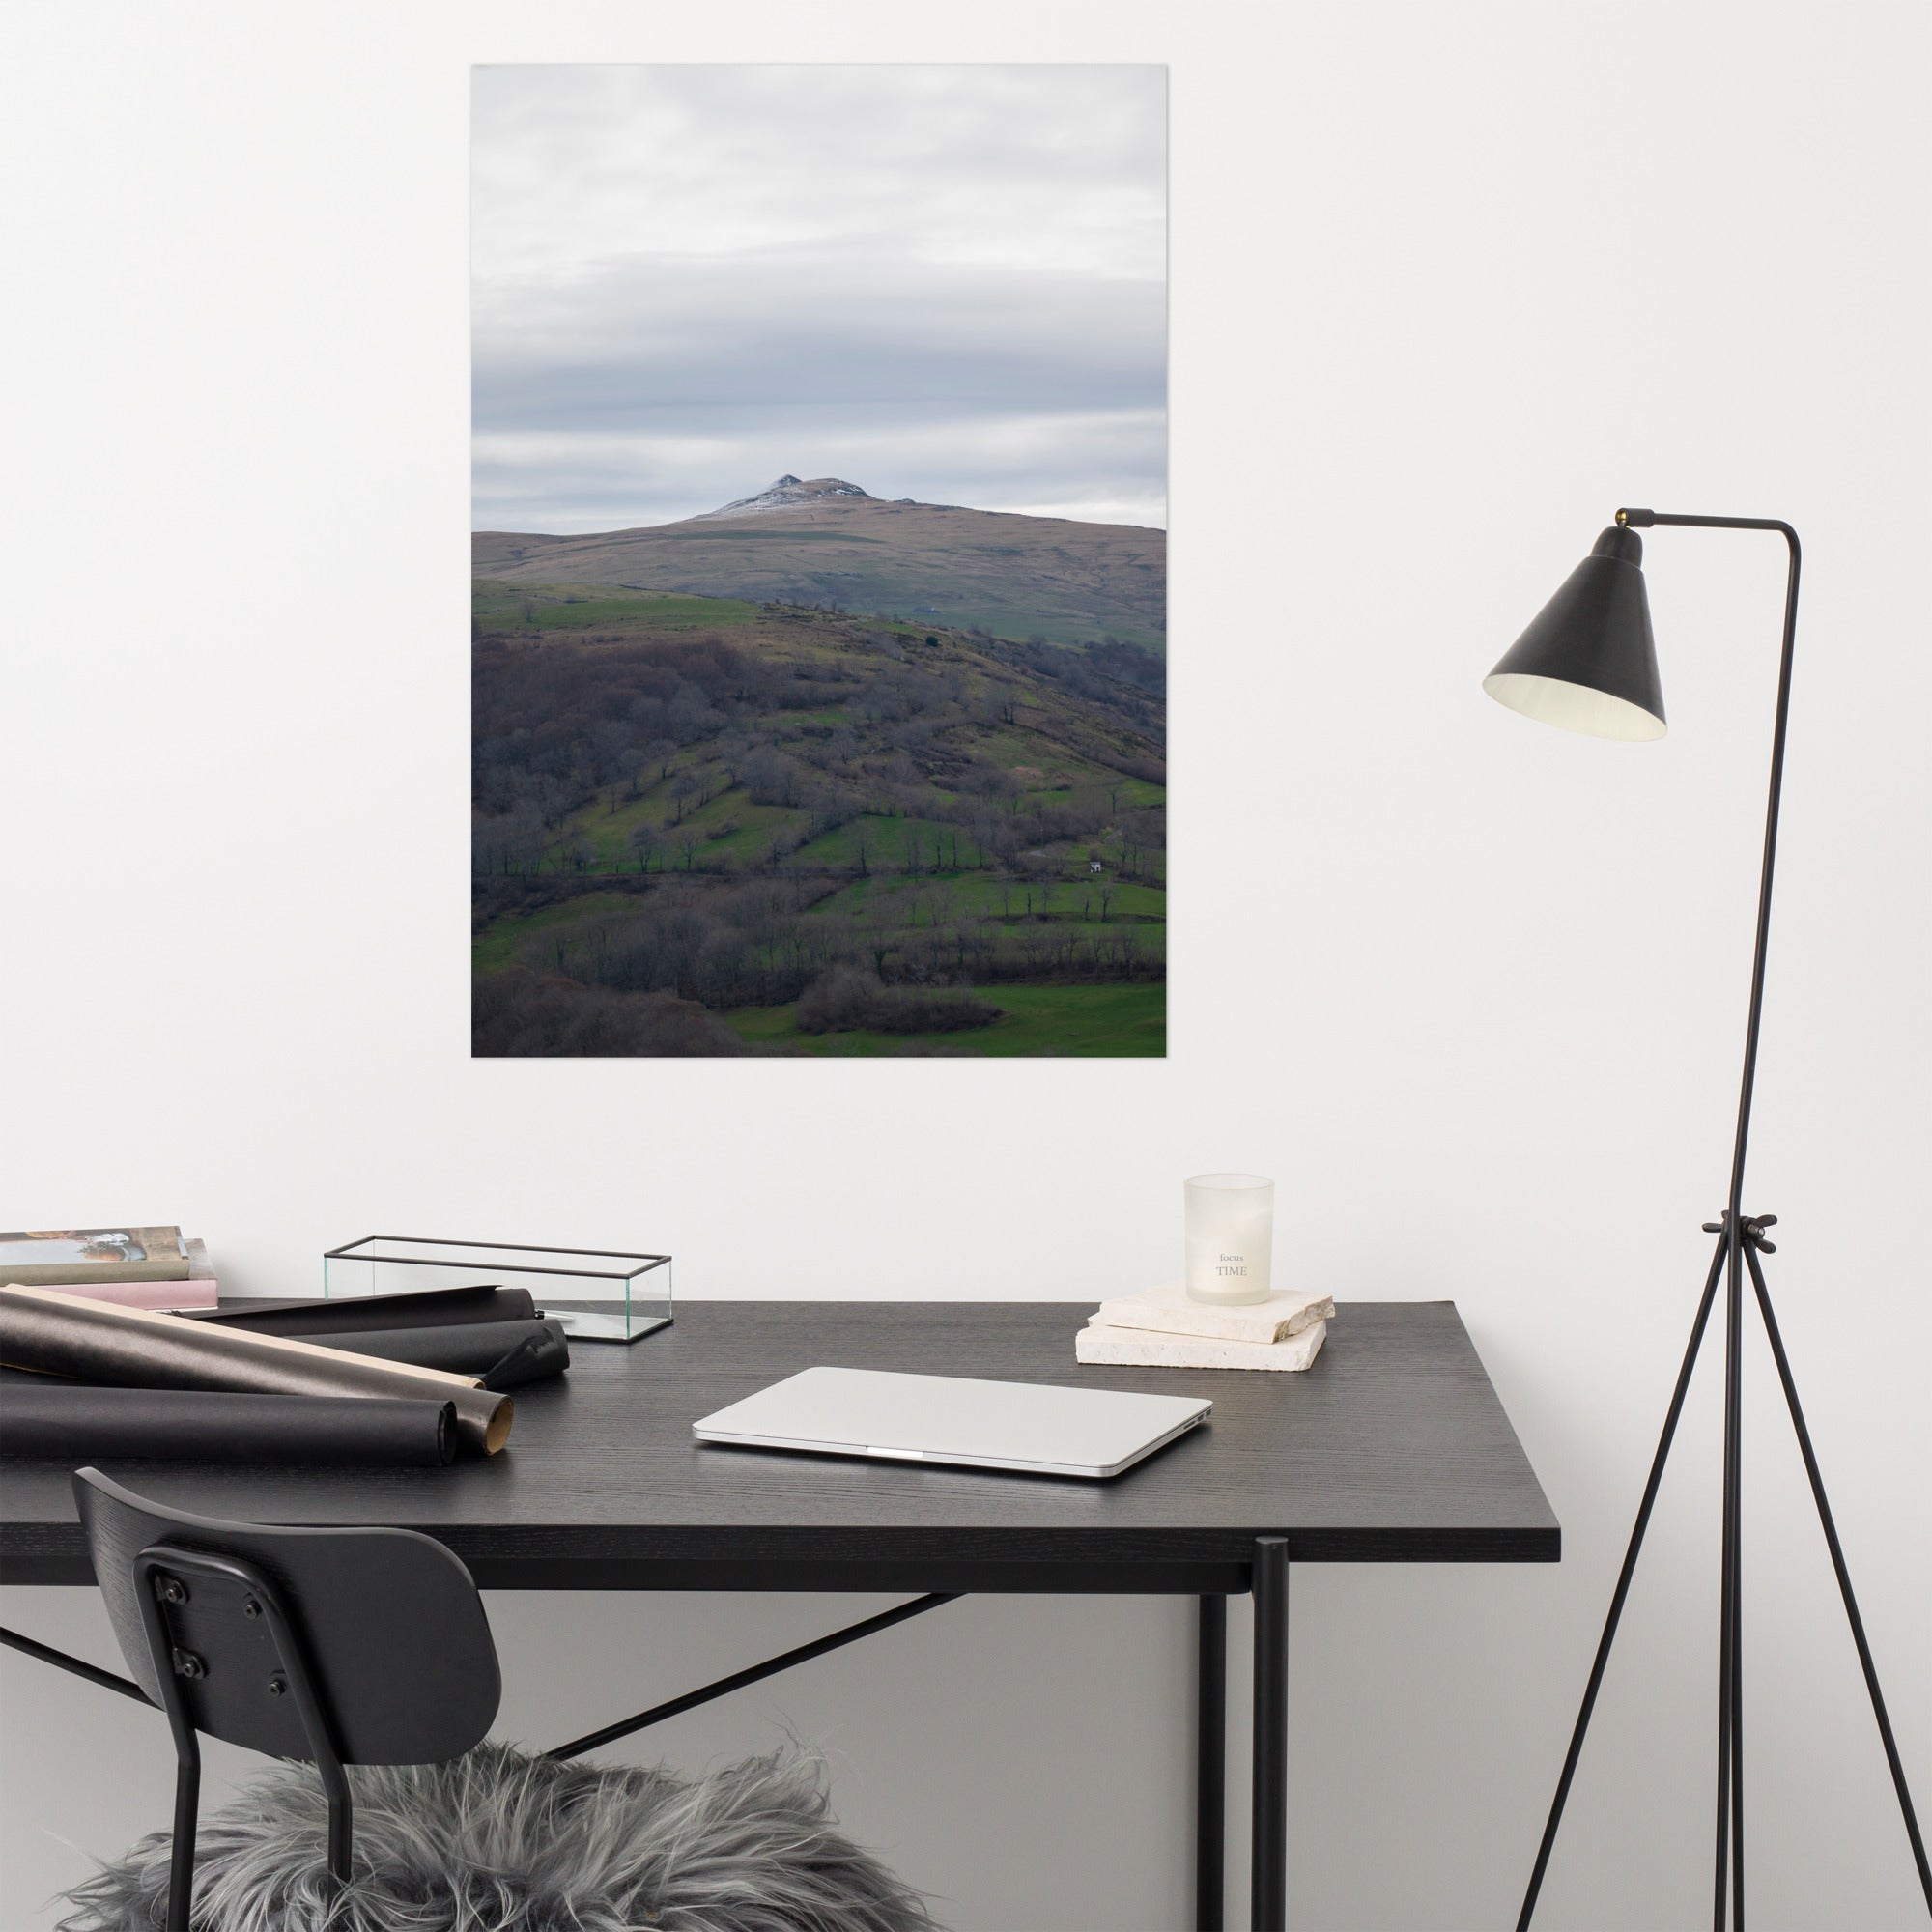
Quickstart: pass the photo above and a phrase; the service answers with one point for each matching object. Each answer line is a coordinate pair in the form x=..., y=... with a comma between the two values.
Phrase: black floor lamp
x=1587, y=662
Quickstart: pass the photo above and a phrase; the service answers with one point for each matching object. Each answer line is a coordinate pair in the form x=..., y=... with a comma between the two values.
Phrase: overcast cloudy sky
x=939, y=282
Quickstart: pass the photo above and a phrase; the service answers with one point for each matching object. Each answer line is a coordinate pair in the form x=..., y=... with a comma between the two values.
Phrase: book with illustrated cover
x=200, y=1291
x=57, y=1255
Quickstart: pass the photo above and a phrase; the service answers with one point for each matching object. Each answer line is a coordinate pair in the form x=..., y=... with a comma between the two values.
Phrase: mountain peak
x=788, y=493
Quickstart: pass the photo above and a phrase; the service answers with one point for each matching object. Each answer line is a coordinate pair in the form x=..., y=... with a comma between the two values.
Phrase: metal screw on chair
x=250, y=1608
x=188, y=1664
x=171, y=1589
x=278, y=1685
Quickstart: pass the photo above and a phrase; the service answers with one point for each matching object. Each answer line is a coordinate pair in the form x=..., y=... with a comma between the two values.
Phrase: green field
x=974, y=896
x=561, y=607
x=1080, y=1022
x=496, y=947
x=887, y=842
x=608, y=832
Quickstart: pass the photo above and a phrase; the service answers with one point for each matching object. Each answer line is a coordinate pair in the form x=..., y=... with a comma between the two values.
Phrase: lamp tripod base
x=1741, y=1241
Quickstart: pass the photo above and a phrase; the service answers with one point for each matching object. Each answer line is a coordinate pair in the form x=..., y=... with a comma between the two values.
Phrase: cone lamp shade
x=1588, y=661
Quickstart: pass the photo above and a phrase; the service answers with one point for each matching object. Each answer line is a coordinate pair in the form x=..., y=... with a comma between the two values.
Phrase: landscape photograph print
x=819, y=578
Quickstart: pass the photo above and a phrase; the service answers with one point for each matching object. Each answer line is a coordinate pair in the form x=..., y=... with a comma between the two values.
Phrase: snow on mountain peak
x=788, y=494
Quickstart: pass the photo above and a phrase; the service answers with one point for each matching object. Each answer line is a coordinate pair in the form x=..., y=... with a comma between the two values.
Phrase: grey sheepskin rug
x=496, y=1842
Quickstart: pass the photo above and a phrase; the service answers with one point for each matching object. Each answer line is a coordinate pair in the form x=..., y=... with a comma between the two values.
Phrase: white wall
x=1449, y=285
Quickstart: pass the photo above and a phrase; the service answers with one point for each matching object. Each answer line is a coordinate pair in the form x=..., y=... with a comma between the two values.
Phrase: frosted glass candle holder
x=1229, y=1238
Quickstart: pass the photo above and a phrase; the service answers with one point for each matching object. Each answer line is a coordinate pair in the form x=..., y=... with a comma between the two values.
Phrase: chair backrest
x=390, y=1630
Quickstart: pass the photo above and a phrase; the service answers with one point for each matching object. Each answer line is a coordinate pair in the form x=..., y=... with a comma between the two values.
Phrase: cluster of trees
x=845, y=1000
x=523, y=1014
x=763, y=943
x=552, y=726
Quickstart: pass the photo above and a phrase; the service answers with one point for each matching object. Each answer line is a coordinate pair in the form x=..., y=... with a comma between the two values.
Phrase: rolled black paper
x=137, y=1347
x=363, y=1314
x=525, y=1363
x=71, y=1424
x=466, y=1347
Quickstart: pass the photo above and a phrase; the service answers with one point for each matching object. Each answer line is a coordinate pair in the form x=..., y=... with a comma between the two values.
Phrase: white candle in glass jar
x=1230, y=1236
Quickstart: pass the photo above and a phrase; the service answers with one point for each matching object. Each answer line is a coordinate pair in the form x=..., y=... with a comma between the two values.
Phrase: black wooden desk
x=1391, y=1448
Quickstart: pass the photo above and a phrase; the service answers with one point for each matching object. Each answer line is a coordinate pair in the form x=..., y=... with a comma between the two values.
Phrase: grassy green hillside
x=717, y=827
x=510, y=609
x=1016, y=576
x=1081, y=1022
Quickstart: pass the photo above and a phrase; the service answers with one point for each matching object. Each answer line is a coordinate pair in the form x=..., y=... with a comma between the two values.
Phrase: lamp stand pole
x=1741, y=1240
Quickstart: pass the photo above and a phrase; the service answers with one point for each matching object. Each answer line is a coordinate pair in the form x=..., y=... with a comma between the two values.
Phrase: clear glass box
x=599, y=1296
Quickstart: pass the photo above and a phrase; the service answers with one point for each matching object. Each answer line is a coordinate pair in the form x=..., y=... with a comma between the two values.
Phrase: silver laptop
x=1046, y=1432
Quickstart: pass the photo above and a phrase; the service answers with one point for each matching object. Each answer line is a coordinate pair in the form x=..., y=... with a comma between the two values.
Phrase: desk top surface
x=1391, y=1447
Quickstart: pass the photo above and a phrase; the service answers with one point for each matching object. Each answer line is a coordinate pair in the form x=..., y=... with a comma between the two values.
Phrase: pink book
x=161, y=1294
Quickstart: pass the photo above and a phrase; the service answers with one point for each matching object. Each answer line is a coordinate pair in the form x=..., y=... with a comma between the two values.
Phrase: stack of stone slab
x=1162, y=1329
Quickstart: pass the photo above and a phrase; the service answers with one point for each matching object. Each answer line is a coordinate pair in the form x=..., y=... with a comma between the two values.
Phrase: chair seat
x=498, y=1841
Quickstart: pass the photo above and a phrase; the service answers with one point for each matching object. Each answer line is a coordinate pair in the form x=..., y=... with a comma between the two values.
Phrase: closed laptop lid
x=955, y=1419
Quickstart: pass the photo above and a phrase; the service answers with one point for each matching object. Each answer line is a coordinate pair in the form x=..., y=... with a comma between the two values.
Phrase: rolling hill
x=828, y=542
x=718, y=826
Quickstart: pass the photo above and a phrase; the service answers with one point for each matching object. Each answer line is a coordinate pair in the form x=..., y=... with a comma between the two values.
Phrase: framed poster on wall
x=819, y=578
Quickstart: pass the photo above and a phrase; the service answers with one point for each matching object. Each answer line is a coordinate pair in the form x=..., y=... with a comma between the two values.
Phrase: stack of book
x=131, y=1267
x=1162, y=1329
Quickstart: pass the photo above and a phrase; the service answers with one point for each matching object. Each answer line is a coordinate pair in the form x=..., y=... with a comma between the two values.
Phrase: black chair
x=330, y=1646
x=371, y=1647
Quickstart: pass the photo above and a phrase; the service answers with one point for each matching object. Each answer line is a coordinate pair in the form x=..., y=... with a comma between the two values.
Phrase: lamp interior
x=1573, y=707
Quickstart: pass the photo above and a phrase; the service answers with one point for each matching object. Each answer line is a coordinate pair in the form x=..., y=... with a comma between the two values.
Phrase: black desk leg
x=1211, y=1766
x=1269, y=1894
